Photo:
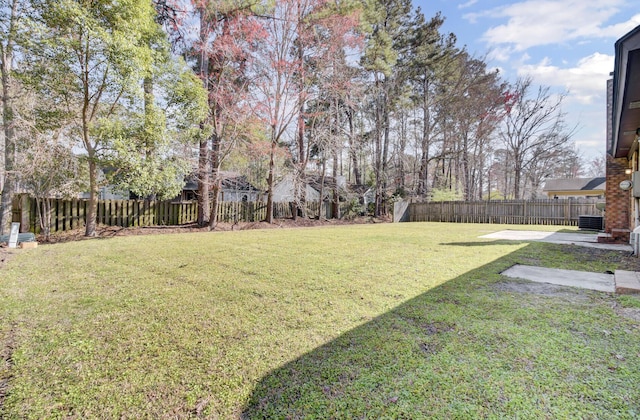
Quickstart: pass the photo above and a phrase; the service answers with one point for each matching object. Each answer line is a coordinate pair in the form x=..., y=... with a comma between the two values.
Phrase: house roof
x=315, y=181
x=625, y=101
x=230, y=181
x=238, y=183
x=575, y=184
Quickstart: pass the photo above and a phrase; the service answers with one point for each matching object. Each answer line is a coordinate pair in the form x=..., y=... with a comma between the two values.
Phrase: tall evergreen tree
x=388, y=23
x=430, y=58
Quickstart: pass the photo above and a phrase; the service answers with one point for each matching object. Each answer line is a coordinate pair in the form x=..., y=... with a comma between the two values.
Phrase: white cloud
x=542, y=22
x=580, y=28
x=585, y=103
x=590, y=137
x=586, y=82
x=619, y=29
x=592, y=147
x=474, y=16
x=467, y=4
x=501, y=54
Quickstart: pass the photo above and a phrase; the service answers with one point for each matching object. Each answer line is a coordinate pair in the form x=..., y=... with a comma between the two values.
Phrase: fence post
x=24, y=209
x=401, y=211
x=17, y=210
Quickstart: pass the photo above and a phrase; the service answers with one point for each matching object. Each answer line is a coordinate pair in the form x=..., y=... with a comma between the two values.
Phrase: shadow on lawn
x=447, y=352
x=363, y=372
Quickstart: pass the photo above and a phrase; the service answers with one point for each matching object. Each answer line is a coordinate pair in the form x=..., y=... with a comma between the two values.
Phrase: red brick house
x=622, y=213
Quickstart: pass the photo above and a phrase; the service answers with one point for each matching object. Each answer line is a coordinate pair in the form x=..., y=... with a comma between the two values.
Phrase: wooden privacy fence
x=523, y=212
x=71, y=214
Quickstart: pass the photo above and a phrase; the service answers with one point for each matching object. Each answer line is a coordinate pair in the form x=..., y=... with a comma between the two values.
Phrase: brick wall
x=618, y=202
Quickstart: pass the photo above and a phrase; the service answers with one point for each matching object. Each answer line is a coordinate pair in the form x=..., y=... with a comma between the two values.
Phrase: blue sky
x=565, y=44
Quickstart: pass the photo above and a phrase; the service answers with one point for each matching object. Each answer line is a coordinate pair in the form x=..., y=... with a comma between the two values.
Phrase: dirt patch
x=433, y=328
x=622, y=260
x=629, y=313
x=7, y=345
x=4, y=255
x=543, y=289
x=103, y=231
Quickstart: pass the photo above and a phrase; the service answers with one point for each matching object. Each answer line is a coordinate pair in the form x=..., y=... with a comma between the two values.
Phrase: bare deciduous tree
x=534, y=124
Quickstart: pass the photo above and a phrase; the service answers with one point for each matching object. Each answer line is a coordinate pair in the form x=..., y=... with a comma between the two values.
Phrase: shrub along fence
x=523, y=212
x=70, y=214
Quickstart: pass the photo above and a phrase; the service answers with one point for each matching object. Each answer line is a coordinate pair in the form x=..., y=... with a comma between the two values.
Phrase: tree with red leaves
x=228, y=31
x=304, y=37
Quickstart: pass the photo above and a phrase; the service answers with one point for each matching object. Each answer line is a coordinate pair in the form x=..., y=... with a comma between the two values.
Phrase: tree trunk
x=44, y=213
x=92, y=210
x=302, y=161
x=215, y=192
x=270, y=178
x=385, y=156
x=335, y=202
x=466, y=171
x=203, y=183
x=149, y=100
x=10, y=178
x=352, y=149
x=9, y=186
x=400, y=183
x=423, y=176
x=216, y=180
x=517, y=176
x=378, y=159
x=321, y=199
x=203, y=157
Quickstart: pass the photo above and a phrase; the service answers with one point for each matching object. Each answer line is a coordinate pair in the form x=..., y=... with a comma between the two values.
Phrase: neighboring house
x=622, y=210
x=106, y=192
x=575, y=187
x=284, y=190
x=366, y=195
x=234, y=188
x=353, y=198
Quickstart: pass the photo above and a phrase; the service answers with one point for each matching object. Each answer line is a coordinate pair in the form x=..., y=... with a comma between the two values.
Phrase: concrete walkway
x=571, y=278
x=581, y=239
x=620, y=282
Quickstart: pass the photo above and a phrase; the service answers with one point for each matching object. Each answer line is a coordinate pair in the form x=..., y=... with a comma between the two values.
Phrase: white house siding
x=283, y=191
x=238, y=195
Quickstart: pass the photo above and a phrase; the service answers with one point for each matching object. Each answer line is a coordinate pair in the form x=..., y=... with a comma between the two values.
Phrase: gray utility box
x=591, y=222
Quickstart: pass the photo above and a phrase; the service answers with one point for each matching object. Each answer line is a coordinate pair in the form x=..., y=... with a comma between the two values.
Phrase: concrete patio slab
x=627, y=282
x=581, y=239
x=570, y=278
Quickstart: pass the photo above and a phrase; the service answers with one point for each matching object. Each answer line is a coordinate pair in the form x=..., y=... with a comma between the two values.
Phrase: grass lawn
x=405, y=320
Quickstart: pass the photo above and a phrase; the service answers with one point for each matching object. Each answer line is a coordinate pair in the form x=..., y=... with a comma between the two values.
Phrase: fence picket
x=70, y=214
x=545, y=212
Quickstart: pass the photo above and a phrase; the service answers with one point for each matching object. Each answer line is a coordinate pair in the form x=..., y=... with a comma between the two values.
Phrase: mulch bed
x=103, y=231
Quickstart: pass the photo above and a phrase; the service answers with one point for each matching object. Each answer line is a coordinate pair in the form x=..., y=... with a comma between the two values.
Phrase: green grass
x=629, y=301
x=367, y=321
